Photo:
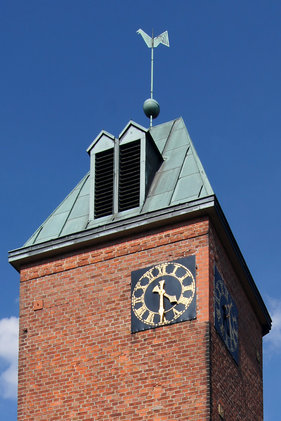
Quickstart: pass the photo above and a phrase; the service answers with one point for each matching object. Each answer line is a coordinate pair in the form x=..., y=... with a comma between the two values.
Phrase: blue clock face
x=226, y=316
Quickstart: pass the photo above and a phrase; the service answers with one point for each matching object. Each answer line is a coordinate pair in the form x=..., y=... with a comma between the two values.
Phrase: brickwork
x=237, y=388
x=78, y=358
x=79, y=361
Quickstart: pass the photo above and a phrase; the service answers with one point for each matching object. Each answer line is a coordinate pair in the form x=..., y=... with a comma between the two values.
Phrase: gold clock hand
x=161, y=291
x=171, y=298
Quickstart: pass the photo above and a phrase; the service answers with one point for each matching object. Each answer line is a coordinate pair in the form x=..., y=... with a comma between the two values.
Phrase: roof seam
x=201, y=188
x=183, y=161
x=162, y=155
x=36, y=236
x=37, y=232
x=69, y=213
x=168, y=137
x=201, y=171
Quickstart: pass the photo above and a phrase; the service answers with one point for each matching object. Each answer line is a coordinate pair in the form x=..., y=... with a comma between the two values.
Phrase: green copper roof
x=179, y=190
x=180, y=179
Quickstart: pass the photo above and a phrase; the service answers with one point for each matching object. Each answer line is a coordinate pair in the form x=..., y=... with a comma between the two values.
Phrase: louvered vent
x=104, y=183
x=129, y=175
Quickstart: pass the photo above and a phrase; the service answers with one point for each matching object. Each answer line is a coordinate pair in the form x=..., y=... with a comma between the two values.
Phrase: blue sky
x=72, y=68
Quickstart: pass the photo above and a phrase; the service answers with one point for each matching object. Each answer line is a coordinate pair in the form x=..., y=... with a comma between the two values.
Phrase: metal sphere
x=151, y=108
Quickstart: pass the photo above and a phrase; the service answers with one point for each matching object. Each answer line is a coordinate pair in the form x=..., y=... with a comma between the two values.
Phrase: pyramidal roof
x=180, y=179
x=172, y=187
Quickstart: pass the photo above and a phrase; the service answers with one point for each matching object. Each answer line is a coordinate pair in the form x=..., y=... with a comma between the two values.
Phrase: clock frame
x=163, y=294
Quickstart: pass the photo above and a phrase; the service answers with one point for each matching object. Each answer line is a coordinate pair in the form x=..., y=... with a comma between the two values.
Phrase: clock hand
x=161, y=293
x=229, y=309
x=229, y=320
x=230, y=326
x=171, y=298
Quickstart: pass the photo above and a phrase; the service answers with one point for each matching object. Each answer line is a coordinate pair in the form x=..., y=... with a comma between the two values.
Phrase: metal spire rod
x=152, y=109
x=151, y=73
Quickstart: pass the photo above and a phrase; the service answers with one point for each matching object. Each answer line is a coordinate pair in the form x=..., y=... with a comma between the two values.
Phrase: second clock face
x=226, y=316
x=163, y=294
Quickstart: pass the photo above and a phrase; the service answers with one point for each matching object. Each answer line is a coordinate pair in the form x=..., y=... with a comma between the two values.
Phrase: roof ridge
x=182, y=164
x=205, y=181
x=168, y=137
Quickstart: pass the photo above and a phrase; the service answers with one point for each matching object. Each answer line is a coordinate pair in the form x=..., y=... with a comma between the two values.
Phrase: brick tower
x=135, y=301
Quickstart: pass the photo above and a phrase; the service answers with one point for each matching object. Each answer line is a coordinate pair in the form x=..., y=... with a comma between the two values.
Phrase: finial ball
x=151, y=108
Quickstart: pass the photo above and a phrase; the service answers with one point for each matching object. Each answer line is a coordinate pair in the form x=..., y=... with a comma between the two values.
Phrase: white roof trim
x=103, y=132
x=132, y=123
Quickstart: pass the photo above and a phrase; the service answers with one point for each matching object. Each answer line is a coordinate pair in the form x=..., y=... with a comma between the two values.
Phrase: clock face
x=163, y=294
x=226, y=316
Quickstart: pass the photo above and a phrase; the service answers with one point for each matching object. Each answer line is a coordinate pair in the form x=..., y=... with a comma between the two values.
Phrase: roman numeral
x=140, y=311
x=190, y=287
x=150, y=318
x=176, y=266
x=162, y=269
x=137, y=300
x=176, y=312
x=149, y=275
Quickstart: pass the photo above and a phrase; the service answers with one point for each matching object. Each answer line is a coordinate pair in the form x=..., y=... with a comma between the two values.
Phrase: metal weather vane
x=150, y=106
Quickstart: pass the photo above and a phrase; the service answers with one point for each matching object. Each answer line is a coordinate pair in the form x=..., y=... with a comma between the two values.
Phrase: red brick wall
x=79, y=361
x=78, y=358
x=238, y=388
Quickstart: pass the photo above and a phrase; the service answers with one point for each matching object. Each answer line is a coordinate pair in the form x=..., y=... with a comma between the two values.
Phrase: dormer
x=121, y=172
x=101, y=153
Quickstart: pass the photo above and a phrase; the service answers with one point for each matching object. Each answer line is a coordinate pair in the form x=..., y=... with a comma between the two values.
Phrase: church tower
x=135, y=301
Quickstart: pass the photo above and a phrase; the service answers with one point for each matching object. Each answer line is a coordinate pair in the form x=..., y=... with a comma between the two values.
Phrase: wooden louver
x=129, y=176
x=104, y=179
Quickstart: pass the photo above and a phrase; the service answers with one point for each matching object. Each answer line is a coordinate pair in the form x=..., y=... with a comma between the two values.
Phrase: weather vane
x=151, y=107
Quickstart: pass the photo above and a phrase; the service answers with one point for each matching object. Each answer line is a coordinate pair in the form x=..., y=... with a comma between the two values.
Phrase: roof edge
x=225, y=232
x=207, y=206
x=27, y=254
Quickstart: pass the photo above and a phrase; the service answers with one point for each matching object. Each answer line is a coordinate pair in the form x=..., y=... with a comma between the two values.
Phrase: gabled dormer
x=102, y=188
x=140, y=172
x=121, y=171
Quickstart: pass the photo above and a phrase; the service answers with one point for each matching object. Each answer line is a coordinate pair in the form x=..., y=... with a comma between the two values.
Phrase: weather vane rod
x=150, y=106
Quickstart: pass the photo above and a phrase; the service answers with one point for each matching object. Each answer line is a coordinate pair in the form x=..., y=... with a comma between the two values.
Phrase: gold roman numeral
x=150, y=318
x=140, y=311
x=137, y=300
x=162, y=269
x=190, y=287
x=177, y=313
x=149, y=275
x=176, y=266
